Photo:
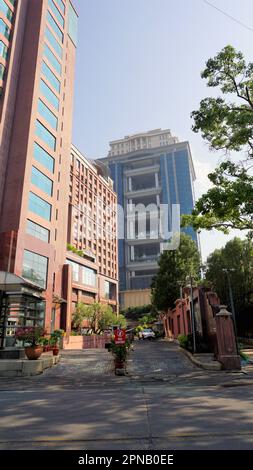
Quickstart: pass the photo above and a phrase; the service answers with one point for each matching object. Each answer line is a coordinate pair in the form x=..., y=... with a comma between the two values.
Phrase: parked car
x=147, y=333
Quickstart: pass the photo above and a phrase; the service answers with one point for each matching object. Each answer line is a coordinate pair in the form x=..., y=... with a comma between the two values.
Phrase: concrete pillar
x=67, y=295
x=226, y=340
x=156, y=180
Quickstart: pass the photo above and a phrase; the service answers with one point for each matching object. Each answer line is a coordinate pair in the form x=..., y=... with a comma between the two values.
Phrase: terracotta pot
x=56, y=351
x=119, y=364
x=33, y=352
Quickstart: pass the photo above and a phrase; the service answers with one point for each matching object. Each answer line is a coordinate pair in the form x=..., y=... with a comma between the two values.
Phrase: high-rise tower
x=38, y=41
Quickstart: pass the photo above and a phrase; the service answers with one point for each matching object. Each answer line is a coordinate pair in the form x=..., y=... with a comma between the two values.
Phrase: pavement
x=164, y=402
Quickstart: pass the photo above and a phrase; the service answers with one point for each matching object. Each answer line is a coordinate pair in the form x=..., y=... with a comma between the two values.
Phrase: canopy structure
x=21, y=304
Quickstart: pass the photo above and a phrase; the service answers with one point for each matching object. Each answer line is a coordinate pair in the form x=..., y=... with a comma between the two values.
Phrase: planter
x=56, y=351
x=33, y=352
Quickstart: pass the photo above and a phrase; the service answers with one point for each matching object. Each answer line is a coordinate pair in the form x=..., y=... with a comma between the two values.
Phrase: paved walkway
x=165, y=402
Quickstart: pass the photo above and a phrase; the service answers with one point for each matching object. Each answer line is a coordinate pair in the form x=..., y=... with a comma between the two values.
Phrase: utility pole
x=227, y=271
x=192, y=315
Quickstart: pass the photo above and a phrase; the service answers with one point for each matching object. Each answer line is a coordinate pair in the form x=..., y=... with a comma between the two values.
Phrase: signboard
x=119, y=336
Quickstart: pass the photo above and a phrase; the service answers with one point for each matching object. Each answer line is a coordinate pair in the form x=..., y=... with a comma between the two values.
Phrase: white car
x=147, y=333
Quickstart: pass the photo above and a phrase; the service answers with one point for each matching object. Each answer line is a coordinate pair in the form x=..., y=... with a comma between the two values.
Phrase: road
x=164, y=402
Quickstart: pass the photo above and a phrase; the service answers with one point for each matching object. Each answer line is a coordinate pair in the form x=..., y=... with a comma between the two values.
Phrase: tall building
x=38, y=41
x=91, y=270
x=149, y=168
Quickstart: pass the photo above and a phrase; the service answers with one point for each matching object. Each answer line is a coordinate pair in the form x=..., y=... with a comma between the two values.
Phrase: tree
x=174, y=267
x=100, y=316
x=227, y=126
x=237, y=257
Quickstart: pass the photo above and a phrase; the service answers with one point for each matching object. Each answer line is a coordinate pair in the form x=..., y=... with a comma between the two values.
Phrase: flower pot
x=119, y=364
x=56, y=351
x=33, y=352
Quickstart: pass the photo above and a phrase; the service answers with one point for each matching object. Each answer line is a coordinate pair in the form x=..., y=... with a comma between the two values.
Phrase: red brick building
x=37, y=61
x=92, y=230
x=179, y=320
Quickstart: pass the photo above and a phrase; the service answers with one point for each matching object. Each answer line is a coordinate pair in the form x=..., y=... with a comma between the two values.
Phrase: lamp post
x=192, y=314
x=227, y=271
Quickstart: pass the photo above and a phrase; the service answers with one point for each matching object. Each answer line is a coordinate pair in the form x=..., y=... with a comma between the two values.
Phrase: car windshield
x=147, y=330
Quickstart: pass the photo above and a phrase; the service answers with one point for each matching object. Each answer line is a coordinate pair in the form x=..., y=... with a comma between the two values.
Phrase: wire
x=228, y=16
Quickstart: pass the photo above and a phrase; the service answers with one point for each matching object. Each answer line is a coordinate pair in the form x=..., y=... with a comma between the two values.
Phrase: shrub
x=183, y=341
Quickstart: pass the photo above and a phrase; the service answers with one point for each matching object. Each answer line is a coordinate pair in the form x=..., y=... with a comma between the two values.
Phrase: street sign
x=119, y=336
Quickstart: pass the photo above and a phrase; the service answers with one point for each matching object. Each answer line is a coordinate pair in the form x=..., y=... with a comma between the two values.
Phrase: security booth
x=21, y=304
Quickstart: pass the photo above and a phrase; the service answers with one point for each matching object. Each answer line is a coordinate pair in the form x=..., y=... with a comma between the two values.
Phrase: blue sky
x=138, y=68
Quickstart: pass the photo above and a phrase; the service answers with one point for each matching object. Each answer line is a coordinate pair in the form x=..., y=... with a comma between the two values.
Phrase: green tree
x=174, y=267
x=100, y=316
x=227, y=125
x=237, y=257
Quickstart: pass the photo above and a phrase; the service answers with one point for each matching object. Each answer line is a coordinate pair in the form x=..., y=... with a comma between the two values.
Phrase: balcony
x=142, y=170
x=135, y=193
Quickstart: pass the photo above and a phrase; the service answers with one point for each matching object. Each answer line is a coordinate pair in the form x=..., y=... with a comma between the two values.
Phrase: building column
x=66, y=316
x=156, y=180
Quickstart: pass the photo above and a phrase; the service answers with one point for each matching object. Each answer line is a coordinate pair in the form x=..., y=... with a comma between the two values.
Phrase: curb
x=203, y=365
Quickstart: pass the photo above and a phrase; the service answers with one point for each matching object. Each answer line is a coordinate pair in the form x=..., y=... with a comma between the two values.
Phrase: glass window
x=39, y=206
x=6, y=10
x=41, y=181
x=54, y=26
x=2, y=70
x=89, y=277
x=49, y=95
x=56, y=12
x=52, y=59
x=37, y=231
x=75, y=270
x=53, y=42
x=51, y=77
x=60, y=5
x=4, y=30
x=45, y=135
x=73, y=25
x=43, y=157
x=45, y=112
x=3, y=50
x=35, y=268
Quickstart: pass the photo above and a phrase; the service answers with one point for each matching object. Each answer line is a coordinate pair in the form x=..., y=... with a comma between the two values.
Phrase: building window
x=89, y=277
x=52, y=59
x=2, y=70
x=35, y=268
x=110, y=290
x=61, y=5
x=56, y=13
x=50, y=76
x=41, y=181
x=4, y=30
x=54, y=26
x=53, y=42
x=45, y=135
x=6, y=10
x=75, y=270
x=178, y=324
x=49, y=95
x=37, y=231
x=3, y=50
x=41, y=156
x=40, y=207
x=73, y=25
x=45, y=112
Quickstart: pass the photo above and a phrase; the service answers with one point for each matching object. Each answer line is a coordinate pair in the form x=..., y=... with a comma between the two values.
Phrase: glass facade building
x=150, y=169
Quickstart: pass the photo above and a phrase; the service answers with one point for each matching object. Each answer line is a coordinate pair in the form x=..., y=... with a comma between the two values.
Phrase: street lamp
x=228, y=271
x=190, y=278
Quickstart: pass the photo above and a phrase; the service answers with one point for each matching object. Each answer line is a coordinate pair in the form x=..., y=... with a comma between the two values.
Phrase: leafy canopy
x=174, y=267
x=227, y=125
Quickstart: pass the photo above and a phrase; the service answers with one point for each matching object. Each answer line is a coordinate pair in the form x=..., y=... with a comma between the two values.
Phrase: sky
x=138, y=68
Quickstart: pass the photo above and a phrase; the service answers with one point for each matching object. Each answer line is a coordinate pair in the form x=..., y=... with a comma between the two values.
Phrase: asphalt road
x=81, y=405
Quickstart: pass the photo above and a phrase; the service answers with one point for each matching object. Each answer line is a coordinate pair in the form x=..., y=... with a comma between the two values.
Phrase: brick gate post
x=227, y=349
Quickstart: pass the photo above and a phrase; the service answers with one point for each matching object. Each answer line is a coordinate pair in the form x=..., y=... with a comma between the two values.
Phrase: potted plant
x=55, y=341
x=32, y=337
x=119, y=352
